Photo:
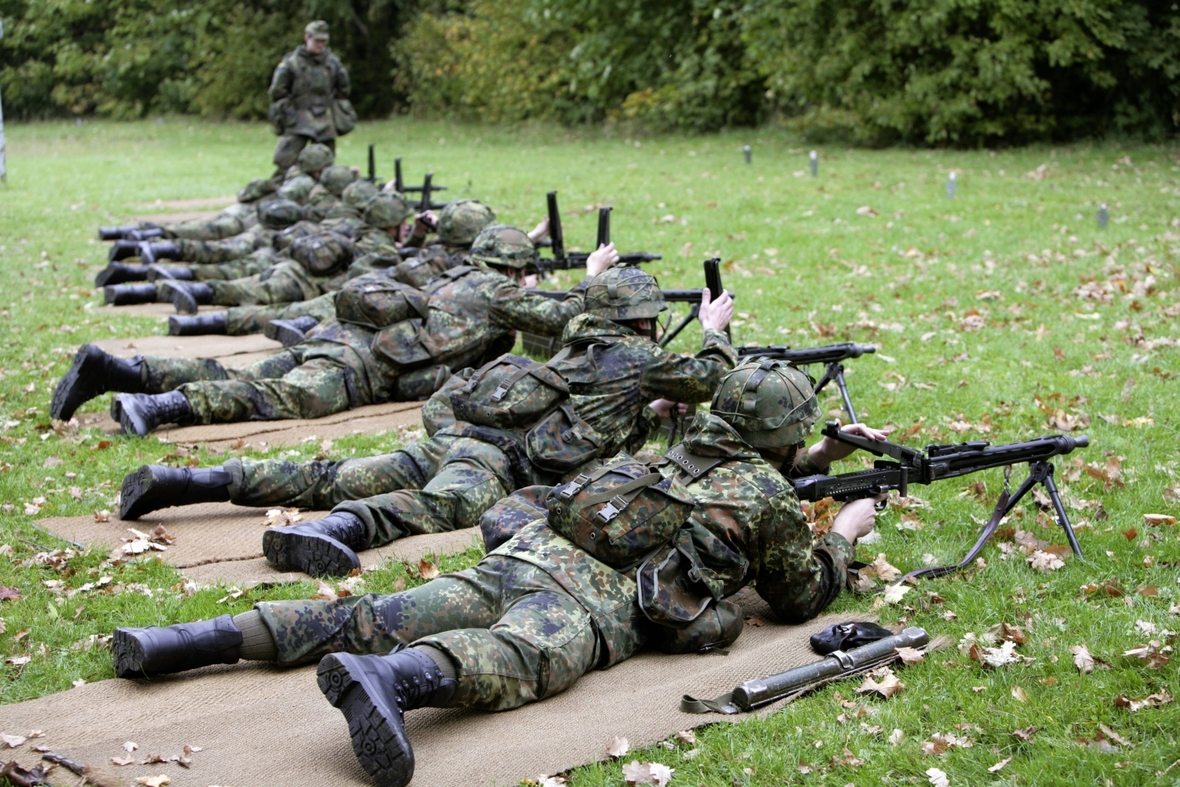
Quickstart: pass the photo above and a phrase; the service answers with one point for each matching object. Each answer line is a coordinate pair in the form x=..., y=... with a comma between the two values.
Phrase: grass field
x=1000, y=314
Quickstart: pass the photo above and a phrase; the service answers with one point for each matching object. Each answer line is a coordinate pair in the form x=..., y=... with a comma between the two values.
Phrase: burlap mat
x=222, y=542
x=371, y=419
x=161, y=310
x=264, y=726
x=223, y=348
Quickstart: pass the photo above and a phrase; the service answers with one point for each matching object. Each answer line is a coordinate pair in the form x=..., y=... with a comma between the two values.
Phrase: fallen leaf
x=426, y=569
x=102, y=516
x=1152, y=653
x=1082, y=658
x=895, y=593
x=910, y=655
x=9, y=594
x=1045, y=561
x=1026, y=733
x=939, y=744
x=121, y=761
x=154, y=781
x=999, y=765
x=1112, y=735
x=896, y=737
x=1161, y=697
x=938, y=778
x=617, y=748
x=1155, y=520
x=1019, y=694
x=847, y=759
x=998, y=657
x=13, y=740
x=686, y=736
x=882, y=569
x=887, y=686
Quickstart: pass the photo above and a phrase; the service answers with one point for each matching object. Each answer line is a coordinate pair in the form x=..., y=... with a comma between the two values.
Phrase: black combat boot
x=160, y=651
x=152, y=251
x=289, y=332
x=139, y=414
x=94, y=372
x=197, y=324
x=153, y=487
x=175, y=272
x=187, y=296
x=123, y=249
x=120, y=273
x=128, y=294
x=322, y=548
x=373, y=693
x=130, y=232
x=115, y=233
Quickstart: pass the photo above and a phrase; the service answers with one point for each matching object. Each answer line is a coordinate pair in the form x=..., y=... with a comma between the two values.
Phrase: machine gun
x=372, y=178
x=832, y=356
x=939, y=462
x=561, y=261
x=713, y=282
x=426, y=189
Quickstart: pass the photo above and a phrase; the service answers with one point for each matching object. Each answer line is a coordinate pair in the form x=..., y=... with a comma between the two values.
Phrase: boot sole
x=135, y=496
x=284, y=334
x=379, y=742
x=64, y=405
x=129, y=655
x=318, y=556
x=111, y=275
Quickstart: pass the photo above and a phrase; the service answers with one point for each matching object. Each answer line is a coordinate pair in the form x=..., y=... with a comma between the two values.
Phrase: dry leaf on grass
x=1026, y=733
x=896, y=737
x=1045, y=561
x=1082, y=658
x=1156, y=520
x=617, y=748
x=426, y=569
x=999, y=765
x=937, y=778
x=1019, y=694
x=939, y=744
x=910, y=655
x=1153, y=653
x=895, y=593
x=1161, y=697
x=637, y=773
x=686, y=736
x=881, y=681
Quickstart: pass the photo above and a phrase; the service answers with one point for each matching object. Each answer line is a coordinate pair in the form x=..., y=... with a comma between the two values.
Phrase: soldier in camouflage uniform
x=309, y=95
x=613, y=370
x=343, y=364
x=540, y=611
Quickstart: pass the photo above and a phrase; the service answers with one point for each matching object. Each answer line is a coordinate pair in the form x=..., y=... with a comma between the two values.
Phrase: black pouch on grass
x=845, y=636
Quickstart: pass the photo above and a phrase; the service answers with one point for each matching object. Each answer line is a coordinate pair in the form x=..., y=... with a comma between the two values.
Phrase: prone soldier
x=553, y=602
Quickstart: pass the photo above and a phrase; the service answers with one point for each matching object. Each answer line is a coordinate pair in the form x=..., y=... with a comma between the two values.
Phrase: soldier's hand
x=601, y=259
x=829, y=450
x=715, y=314
x=857, y=517
x=428, y=219
x=541, y=231
x=665, y=408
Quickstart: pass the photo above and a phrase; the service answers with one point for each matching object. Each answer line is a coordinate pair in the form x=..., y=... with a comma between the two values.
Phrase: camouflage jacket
x=303, y=88
x=746, y=526
x=611, y=392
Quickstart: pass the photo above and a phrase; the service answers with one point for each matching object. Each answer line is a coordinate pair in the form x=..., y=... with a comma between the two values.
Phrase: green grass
x=976, y=304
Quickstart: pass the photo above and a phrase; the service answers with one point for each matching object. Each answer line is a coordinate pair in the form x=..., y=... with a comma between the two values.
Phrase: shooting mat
x=161, y=310
x=222, y=542
x=261, y=725
x=224, y=348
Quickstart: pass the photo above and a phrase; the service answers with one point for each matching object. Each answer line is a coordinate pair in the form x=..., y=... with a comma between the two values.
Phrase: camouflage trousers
x=288, y=149
x=242, y=320
x=431, y=486
x=286, y=282
x=258, y=262
x=234, y=220
x=515, y=635
x=286, y=385
x=211, y=252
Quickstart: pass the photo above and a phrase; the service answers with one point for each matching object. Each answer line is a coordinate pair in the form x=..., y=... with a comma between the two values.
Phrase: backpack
x=378, y=301
x=621, y=512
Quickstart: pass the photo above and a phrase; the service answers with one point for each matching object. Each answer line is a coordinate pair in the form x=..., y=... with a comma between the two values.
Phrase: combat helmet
x=337, y=178
x=506, y=246
x=322, y=253
x=769, y=402
x=460, y=222
x=624, y=294
x=256, y=190
x=387, y=210
x=315, y=158
x=300, y=229
x=357, y=193
x=278, y=214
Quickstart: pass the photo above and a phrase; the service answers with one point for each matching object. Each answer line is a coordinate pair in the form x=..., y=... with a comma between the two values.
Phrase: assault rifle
x=713, y=282
x=832, y=356
x=939, y=462
x=372, y=178
x=561, y=261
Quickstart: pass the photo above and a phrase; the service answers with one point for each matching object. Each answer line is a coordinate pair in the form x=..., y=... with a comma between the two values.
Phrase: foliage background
x=941, y=72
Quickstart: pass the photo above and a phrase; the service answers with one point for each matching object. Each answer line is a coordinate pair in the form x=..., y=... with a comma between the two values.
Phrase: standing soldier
x=309, y=95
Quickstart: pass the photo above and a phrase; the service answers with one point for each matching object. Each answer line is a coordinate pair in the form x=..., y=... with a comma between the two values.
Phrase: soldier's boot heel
x=129, y=294
x=198, y=324
x=123, y=249
x=139, y=414
x=152, y=252
x=94, y=372
x=289, y=332
x=177, y=272
x=373, y=693
x=159, y=651
x=120, y=273
x=322, y=548
x=153, y=487
x=187, y=296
